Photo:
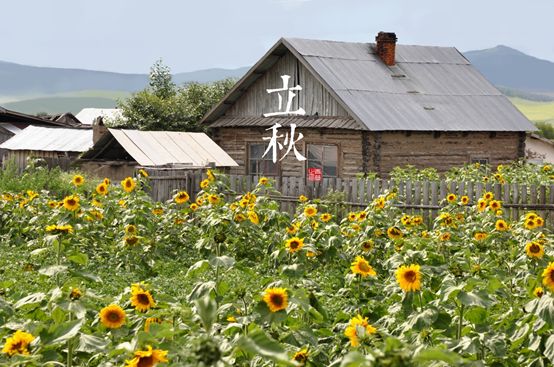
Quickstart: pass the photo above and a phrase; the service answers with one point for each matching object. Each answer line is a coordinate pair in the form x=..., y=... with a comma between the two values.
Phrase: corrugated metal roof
x=87, y=115
x=430, y=88
x=11, y=128
x=159, y=148
x=50, y=139
x=326, y=122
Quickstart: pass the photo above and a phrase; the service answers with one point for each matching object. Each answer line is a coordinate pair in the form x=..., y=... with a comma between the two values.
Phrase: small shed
x=539, y=149
x=169, y=156
x=57, y=146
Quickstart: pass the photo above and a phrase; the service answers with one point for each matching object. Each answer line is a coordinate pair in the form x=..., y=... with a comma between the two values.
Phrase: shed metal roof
x=87, y=115
x=50, y=139
x=159, y=148
x=428, y=89
x=10, y=127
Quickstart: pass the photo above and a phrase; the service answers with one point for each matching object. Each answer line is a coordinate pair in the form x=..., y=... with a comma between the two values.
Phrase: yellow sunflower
x=301, y=357
x=147, y=358
x=464, y=200
x=302, y=199
x=538, y=292
x=157, y=211
x=325, y=217
x=128, y=184
x=352, y=216
x=210, y=175
x=417, y=220
x=253, y=217
x=310, y=211
x=75, y=294
x=367, y=245
x=102, y=188
x=357, y=329
x=78, y=180
x=501, y=225
x=481, y=205
x=57, y=228
x=263, y=181
x=143, y=173
x=112, y=316
x=239, y=217
x=141, y=299
x=451, y=198
x=488, y=196
x=534, y=249
x=530, y=223
x=131, y=229
x=204, y=183
x=213, y=198
x=540, y=221
x=548, y=276
x=276, y=299
x=362, y=267
x=406, y=220
x=193, y=207
x=362, y=215
x=149, y=321
x=131, y=240
x=18, y=343
x=181, y=197
x=495, y=205
x=71, y=202
x=379, y=203
x=394, y=233
x=107, y=181
x=409, y=278
x=294, y=244
x=293, y=228
x=445, y=236
x=479, y=236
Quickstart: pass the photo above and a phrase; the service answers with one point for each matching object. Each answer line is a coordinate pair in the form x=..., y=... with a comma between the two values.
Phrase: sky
x=130, y=35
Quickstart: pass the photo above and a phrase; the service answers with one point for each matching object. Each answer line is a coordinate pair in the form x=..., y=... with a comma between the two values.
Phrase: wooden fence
x=425, y=198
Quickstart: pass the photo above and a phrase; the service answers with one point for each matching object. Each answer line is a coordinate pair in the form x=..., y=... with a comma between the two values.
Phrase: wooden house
x=55, y=145
x=539, y=149
x=364, y=107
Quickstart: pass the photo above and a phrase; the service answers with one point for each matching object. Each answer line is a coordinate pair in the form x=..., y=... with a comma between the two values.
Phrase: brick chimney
x=98, y=129
x=385, y=46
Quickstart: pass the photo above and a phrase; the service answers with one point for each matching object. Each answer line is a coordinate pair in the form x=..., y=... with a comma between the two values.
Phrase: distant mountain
x=24, y=80
x=514, y=70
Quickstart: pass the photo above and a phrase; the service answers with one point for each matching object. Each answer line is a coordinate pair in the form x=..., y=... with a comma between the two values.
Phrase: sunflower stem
x=460, y=322
x=420, y=301
x=69, y=348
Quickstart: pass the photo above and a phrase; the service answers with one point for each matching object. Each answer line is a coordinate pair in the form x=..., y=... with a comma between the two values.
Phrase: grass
x=535, y=111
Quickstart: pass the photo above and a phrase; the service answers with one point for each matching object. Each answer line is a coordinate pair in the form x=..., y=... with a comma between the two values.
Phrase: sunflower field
x=104, y=276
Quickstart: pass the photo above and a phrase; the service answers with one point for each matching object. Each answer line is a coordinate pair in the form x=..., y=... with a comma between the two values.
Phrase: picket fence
x=413, y=197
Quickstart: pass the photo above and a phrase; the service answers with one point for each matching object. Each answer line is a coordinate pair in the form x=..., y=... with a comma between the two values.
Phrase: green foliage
x=166, y=106
x=546, y=129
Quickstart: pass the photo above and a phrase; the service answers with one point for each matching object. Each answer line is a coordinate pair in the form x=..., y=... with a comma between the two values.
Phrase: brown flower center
x=71, y=202
x=146, y=361
x=277, y=300
x=534, y=248
x=363, y=267
x=410, y=276
x=294, y=245
x=142, y=298
x=113, y=317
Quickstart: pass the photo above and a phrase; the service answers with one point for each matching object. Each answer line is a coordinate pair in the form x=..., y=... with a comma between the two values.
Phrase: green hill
x=54, y=105
x=535, y=111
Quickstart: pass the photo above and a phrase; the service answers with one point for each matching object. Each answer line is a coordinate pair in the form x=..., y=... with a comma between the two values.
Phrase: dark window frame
x=267, y=158
x=322, y=144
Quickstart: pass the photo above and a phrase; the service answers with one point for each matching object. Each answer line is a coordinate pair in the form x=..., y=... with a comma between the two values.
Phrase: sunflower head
x=181, y=197
x=302, y=198
x=276, y=299
x=213, y=199
x=464, y=200
x=18, y=343
x=263, y=181
x=394, y=233
x=501, y=225
x=142, y=172
x=147, y=358
x=106, y=181
x=239, y=217
x=409, y=277
x=495, y=205
x=538, y=292
x=149, y=321
x=352, y=216
x=548, y=276
x=488, y=196
x=141, y=299
x=131, y=229
x=445, y=236
x=112, y=316
x=204, y=183
x=128, y=184
x=479, y=236
x=78, y=180
x=102, y=188
x=534, y=250
x=294, y=244
x=451, y=198
x=362, y=215
x=301, y=357
x=131, y=240
x=362, y=267
x=310, y=211
x=325, y=217
x=71, y=202
x=253, y=217
x=75, y=294
x=367, y=245
x=193, y=207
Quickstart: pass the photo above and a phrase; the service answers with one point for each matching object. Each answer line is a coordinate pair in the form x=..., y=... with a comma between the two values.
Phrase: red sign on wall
x=314, y=174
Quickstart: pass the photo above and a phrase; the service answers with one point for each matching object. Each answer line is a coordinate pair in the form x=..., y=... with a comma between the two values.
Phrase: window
x=258, y=165
x=480, y=160
x=324, y=157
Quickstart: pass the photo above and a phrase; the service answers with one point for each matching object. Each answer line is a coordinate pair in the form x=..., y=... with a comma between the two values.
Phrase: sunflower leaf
x=207, y=310
x=223, y=261
x=197, y=268
x=63, y=332
x=91, y=344
x=257, y=342
x=53, y=270
x=549, y=348
x=30, y=299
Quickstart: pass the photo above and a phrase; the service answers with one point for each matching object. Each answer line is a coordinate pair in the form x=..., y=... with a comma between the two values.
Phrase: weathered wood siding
x=235, y=142
x=313, y=97
x=441, y=150
x=53, y=159
x=386, y=150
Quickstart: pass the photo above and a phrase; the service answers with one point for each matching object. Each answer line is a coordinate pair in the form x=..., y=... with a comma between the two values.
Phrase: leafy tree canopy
x=165, y=106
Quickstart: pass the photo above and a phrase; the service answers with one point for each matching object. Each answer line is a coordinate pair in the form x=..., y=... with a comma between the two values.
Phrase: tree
x=166, y=106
